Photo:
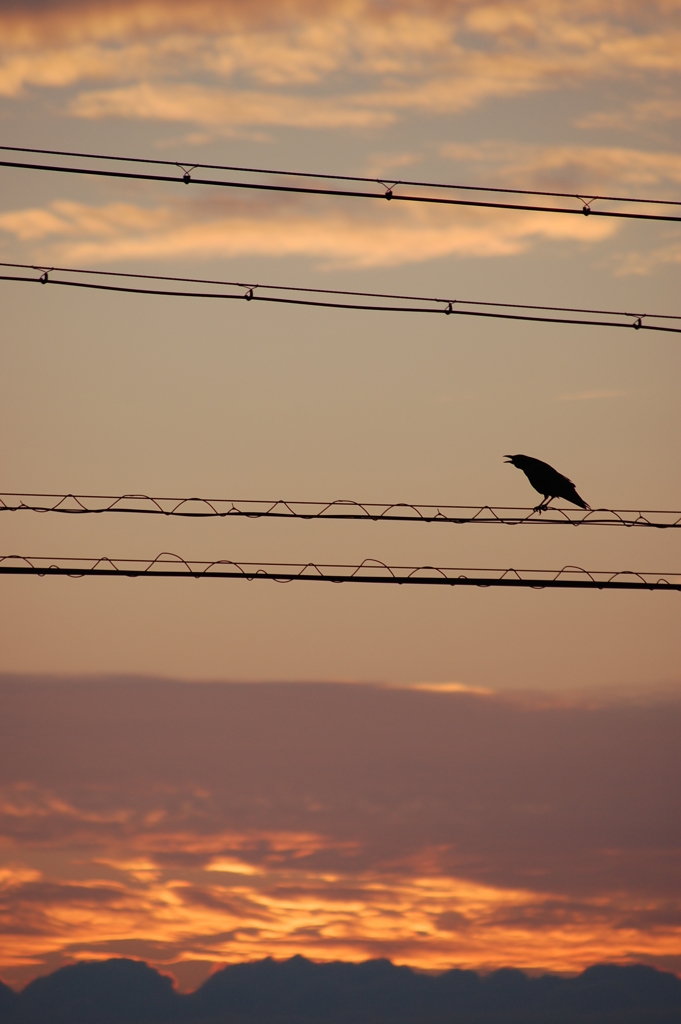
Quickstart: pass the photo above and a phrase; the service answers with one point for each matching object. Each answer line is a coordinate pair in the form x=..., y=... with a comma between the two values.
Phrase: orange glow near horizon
x=296, y=826
x=430, y=921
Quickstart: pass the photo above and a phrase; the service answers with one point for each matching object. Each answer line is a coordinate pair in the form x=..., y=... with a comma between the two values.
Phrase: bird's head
x=514, y=460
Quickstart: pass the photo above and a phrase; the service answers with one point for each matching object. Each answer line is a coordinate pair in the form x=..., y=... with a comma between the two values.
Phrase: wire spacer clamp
x=187, y=177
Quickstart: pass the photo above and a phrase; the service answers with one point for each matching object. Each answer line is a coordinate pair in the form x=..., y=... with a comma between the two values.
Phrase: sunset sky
x=444, y=777
x=193, y=824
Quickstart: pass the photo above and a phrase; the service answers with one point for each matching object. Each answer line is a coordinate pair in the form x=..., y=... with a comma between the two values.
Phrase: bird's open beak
x=509, y=457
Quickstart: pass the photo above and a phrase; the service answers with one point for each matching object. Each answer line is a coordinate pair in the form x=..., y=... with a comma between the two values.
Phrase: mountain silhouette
x=8, y=1000
x=298, y=991
x=103, y=992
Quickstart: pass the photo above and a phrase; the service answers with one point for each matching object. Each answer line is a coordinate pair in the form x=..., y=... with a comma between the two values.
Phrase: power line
x=388, y=186
x=224, y=508
x=447, y=307
x=332, y=291
x=329, y=177
x=370, y=570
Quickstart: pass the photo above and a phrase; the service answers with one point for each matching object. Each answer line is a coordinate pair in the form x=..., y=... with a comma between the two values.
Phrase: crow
x=547, y=481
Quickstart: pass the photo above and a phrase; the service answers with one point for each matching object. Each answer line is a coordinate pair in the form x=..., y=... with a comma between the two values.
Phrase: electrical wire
x=224, y=508
x=370, y=570
x=332, y=177
x=187, y=167
x=447, y=307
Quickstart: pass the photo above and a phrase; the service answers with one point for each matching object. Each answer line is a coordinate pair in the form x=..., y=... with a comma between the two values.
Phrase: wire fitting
x=388, y=189
x=332, y=298
x=186, y=177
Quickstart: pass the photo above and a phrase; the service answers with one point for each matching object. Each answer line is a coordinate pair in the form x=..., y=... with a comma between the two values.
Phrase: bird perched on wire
x=547, y=480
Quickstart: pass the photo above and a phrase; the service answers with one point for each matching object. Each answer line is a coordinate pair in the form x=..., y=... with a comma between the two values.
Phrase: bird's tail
x=579, y=501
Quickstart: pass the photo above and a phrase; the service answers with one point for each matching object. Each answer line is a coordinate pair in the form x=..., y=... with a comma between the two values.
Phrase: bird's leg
x=543, y=505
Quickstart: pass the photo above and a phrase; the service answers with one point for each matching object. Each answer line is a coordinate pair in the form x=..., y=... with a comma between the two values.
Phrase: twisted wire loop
x=163, y=558
x=370, y=570
x=342, y=508
x=18, y=558
x=371, y=563
x=569, y=570
x=428, y=569
x=629, y=573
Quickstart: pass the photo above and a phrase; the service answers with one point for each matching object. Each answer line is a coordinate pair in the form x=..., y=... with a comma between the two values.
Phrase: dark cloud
x=44, y=894
x=217, y=821
x=578, y=797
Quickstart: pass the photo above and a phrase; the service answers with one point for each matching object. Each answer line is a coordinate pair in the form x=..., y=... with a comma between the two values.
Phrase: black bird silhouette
x=546, y=480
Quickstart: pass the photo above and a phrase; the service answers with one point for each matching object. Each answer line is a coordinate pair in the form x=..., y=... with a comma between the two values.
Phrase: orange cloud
x=217, y=108
x=433, y=921
x=632, y=117
x=336, y=234
x=566, y=168
x=434, y=828
x=413, y=56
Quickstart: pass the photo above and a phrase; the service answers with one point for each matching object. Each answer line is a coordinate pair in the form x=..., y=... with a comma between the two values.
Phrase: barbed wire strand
x=251, y=296
x=371, y=570
x=343, y=509
x=388, y=186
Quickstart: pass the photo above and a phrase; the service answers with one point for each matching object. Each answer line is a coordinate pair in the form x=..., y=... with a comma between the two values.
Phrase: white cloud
x=448, y=688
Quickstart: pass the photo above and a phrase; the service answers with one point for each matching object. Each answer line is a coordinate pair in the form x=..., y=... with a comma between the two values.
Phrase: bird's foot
x=540, y=508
